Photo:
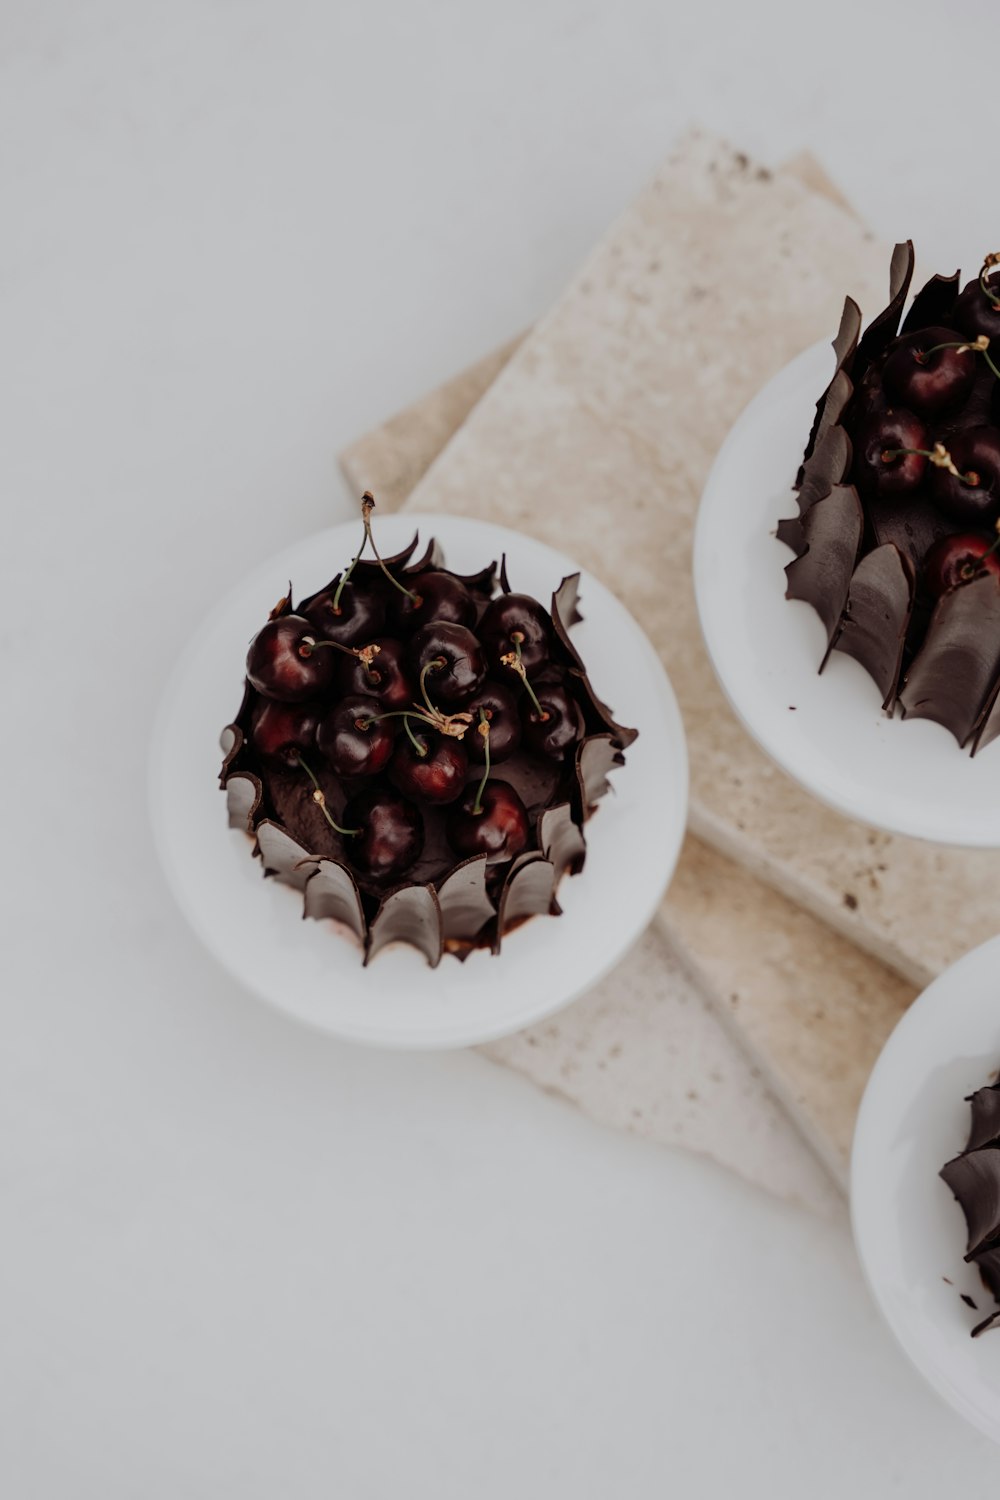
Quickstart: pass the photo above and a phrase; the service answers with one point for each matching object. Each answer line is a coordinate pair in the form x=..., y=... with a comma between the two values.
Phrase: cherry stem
x=513, y=660
x=364, y=654
x=319, y=797
x=978, y=345
x=398, y=713
x=354, y=562
x=418, y=747
x=988, y=264
x=938, y=455
x=434, y=665
x=483, y=729
x=367, y=506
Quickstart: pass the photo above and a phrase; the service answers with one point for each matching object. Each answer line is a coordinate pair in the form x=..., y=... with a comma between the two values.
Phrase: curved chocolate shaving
x=410, y=915
x=482, y=583
x=600, y=712
x=430, y=562
x=844, y=345
x=282, y=856
x=330, y=892
x=821, y=574
x=985, y=1129
x=528, y=891
x=988, y=1262
x=561, y=840
x=953, y=675
x=244, y=795
x=231, y=742
x=465, y=906
x=565, y=613
x=988, y=726
x=987, y=1323
x=883, y=329
x=596, y=756
x=975, y=1181
x=830, y=464
x=933, y=304
x=876, y=617
x=504, y=584
x=912, y=523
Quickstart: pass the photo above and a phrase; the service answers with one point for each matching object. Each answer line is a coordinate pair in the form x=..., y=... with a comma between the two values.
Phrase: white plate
x=828, y=731
x=909, y=1230
x=254, y=926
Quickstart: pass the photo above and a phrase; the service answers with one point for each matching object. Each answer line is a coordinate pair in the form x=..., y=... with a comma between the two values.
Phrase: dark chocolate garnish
x=595, y=758
x=561, y=840
x=985, y=1128
x=465, y=906
x=912, y=523
x=933, y=304
x=974, y=1178
x=332, y=893
x=844, y=346
x=528, y=891
x=951, y=678
x=409, y=915
x=830, y=464
x=876, y=616
x=244, y=795
x=831, y=533
x=282, y=856
x=883, y=329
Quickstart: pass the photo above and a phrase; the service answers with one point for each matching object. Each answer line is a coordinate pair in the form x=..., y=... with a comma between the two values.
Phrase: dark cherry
x=929, y=383
x=557, y=727
x=500, y=830
x=974, y=312
x=358, y=618
x=879, y=469
x=974, y=493
x=436, y=596
x=283, y=661
x=387, y=679
x=391, y=837
x=453, y=657
x=511, y=616
x=353, y=742
x=956, y=559
x=500, y=707
x=438, y=775
x=282, y=731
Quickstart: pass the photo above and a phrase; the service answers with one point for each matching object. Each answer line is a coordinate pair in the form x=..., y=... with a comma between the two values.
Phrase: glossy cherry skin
x=957, y=559
x=975, y=496
x=500, y=707
x=457, y=666
x=359, y=617
x=559, y=726
x=387, y=679
x=439, y=596
x=876, y=471
x=352, y=741
x=929, y=384
x=500, y=831
x=283, y=663
x=438, y=776
x=391, y=837
x=512, y=615
x=283, y=731
x=974, y=312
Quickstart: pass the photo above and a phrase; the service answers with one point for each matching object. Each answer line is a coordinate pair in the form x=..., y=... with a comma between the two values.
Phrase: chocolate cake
x=974, y=1178
x=417, y=751
x=896, y=539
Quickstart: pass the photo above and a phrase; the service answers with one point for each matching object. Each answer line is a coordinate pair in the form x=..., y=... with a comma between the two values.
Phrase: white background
x=236, y=1259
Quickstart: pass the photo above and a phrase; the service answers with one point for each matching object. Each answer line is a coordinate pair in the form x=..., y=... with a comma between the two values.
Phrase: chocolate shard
x=367, y=567
x=596, y=756
x=830, y=464
x=330, y=893
x=911, y=523
x=821, y=574
x=504, y=583
x=790, y=532
x=244, y=795
x=988, y=726
x=409, y=915
x=231, y=742
x=987, y=1323
x=561, y=840
x=876, y=617
x=528, y=891
x=565, y=613
x=481, y=583
x=952, y=677
x=974, y=1178
x=844, y=346
x=884, y=328
x=985, y=1129
x=933, y=304
x=465, y=907
x=282, y=856
x=988, y=1262
x=430, y=562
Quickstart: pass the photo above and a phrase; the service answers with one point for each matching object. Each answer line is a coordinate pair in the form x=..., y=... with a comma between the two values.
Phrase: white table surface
x=239, y=1260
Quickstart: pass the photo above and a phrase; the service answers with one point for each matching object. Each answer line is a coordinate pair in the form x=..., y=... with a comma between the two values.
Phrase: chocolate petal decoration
x=821, y=575
x=562, y=842
x=284, y=857
x=952, y=677
x=883, y=329
x=985, y=1129
x=367, y=566
x=988, y=1262
x=876, y=617
x=244, y=796
x=528, y=891
x=330, y=892
x=830, y=464
x=432, y=560
x=596, y=756
x=975, y=1181
x=409, y=915
x=933, y=305
x=465, y=906
x=505, y=587
x=831, y=404
x=481, y=583
x=986, y=1324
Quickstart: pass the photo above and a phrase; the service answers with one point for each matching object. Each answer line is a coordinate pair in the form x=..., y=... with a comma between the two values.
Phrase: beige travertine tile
x=811, y=1009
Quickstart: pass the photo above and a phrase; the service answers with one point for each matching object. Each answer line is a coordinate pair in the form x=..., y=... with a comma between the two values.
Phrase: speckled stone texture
x=620, y=398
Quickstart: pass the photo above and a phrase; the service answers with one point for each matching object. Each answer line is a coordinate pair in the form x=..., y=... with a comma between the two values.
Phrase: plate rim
x=415, y=1038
